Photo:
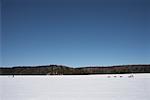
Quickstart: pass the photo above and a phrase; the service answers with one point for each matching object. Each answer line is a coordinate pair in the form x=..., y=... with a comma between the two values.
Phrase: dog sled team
x=129, y=76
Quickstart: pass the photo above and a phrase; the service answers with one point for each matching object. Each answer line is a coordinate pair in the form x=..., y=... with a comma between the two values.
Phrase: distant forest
x=64, y=70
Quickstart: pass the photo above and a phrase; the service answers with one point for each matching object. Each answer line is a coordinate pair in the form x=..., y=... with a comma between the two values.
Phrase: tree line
x=65, y=70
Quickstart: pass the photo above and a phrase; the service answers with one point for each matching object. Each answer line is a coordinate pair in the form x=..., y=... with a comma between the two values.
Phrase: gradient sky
x=75, y=32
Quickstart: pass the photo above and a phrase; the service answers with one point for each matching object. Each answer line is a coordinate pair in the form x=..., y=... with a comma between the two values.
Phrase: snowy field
x=86, y=87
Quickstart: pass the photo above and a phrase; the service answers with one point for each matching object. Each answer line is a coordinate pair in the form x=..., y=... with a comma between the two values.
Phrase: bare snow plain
x=78, y=87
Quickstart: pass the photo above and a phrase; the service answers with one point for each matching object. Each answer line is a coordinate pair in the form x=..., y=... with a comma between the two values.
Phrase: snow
x=80, y=87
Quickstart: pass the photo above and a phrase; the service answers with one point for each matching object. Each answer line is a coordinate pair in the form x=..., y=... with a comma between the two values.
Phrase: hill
x=65, y=70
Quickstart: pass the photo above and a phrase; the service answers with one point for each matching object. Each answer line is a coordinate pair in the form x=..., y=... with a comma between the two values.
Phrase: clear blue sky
x=75, y=32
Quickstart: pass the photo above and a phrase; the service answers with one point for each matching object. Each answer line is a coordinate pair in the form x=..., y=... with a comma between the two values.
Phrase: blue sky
x=75, y=32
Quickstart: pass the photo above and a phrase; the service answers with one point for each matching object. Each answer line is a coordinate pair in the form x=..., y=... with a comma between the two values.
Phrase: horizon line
x=71, y=66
